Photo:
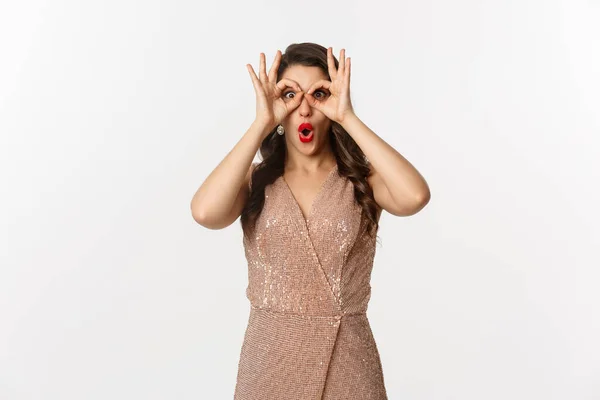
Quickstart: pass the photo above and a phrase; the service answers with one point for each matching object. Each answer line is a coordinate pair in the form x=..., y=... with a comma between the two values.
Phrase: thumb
x=313, y=102
x=296, y=102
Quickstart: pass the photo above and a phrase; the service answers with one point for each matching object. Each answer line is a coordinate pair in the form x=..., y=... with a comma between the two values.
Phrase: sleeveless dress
x=308, y=336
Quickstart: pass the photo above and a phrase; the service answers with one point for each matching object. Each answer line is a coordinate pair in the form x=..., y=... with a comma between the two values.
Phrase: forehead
x=305, y=76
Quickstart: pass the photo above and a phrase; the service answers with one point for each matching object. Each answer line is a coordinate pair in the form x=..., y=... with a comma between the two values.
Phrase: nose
x=304, y=108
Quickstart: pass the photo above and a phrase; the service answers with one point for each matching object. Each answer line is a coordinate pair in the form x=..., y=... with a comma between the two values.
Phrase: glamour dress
x=308, y=336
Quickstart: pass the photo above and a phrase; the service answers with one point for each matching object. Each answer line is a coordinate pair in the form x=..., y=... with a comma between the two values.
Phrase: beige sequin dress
x=308, y=336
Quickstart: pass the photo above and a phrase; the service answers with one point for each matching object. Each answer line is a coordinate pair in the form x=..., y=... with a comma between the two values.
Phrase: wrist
x=349, y=117
x=264, y=124
x=262, y=128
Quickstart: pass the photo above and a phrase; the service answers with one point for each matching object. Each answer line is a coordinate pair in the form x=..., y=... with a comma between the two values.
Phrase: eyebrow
x=287, y=88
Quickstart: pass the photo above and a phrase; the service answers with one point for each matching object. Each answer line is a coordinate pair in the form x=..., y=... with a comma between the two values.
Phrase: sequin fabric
x=308, y=336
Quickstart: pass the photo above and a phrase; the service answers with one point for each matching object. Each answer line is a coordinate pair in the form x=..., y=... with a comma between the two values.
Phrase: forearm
x=401, y=178
x=217, y=194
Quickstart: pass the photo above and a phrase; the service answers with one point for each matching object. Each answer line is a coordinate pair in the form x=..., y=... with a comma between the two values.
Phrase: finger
x=323, y=83
x=295, y=103
x=331, y=64
x=274, y=67
x=285, y=82
x=342, y=62
x=313, y=102
x=348, y=70
x=263, y=68
x=255, y=81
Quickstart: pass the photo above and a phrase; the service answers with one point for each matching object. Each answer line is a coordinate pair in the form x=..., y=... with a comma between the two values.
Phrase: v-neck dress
x=308, y=336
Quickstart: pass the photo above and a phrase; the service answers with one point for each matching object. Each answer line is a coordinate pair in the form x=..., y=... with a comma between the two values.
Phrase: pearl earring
x=280, y=130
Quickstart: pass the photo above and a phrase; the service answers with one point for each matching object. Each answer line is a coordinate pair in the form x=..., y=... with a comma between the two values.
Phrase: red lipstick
x=305, y=132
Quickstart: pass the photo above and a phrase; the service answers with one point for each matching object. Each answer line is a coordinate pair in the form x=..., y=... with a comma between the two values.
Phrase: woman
x=309, y=212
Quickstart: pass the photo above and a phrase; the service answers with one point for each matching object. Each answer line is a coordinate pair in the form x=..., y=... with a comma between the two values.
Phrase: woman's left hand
x=336, y=105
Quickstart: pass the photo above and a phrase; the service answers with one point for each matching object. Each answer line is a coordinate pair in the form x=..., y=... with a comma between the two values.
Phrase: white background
x=112, y=114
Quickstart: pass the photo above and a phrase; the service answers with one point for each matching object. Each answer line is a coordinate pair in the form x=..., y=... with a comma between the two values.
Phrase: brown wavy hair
x=352, y=162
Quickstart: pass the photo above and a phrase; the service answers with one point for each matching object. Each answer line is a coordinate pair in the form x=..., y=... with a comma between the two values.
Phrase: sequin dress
x=308, y=336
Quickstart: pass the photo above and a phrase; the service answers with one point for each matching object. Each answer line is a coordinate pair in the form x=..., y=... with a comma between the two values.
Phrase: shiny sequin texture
x=308, y=336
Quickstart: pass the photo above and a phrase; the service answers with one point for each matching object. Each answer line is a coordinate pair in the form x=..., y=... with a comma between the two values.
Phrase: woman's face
x=304, y=113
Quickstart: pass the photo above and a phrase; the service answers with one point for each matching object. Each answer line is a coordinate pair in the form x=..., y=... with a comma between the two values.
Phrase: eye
x=324, y=94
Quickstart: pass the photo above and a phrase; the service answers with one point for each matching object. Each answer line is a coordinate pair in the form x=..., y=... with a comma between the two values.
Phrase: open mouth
x=306, y=133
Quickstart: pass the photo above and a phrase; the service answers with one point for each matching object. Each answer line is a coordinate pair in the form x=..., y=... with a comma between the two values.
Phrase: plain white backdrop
x=112, y=114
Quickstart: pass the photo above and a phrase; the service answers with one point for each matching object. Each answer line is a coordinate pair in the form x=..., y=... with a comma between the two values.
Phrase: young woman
x=310, y=213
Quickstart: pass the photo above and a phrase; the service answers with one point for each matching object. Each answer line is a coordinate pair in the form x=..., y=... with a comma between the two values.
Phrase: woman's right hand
x=271, y=107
